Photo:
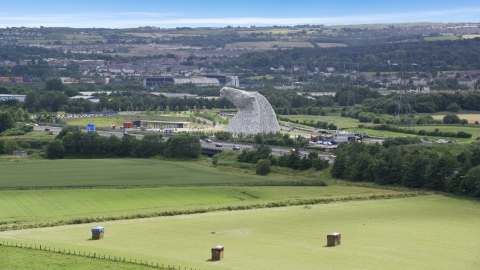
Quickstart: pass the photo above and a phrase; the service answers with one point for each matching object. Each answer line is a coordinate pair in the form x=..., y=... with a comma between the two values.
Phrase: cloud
x=135, y=19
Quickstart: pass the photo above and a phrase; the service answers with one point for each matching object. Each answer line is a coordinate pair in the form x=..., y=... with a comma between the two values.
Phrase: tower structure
x=403, y=105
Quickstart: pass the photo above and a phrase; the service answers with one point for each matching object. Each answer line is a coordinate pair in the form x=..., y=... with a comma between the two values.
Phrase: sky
x=220, y=13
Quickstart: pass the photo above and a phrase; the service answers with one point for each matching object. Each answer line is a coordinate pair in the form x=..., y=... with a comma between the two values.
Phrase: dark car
x=218, y=145
x=235, y=147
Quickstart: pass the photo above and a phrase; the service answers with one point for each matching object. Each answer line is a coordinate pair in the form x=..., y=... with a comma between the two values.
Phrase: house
x=20, y=153
x=467, y=82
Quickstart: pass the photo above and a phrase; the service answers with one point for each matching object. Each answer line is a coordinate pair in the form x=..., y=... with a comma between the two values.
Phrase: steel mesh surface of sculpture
x=255, y=114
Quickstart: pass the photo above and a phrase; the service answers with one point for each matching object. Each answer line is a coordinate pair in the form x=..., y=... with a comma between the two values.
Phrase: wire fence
x=94, y=255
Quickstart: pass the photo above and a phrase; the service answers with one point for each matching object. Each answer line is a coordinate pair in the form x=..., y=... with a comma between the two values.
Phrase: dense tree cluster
x=71, y=142
x=292, y=160
x=415, y=167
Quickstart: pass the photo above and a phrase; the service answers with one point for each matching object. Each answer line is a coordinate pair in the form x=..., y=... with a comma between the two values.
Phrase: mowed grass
x=20, y=258
x=438, y=38
x=386, y=133
x=115, y=172
x=427, y=232
x=340, y=122
x=20, y=206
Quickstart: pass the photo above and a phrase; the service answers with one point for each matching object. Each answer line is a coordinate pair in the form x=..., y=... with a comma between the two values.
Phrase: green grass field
x=267, y=45
x=340, y=122
x=115, y=172
x=20, y=258
x=426, y=232
x=387, y=133
x=64, y=189
x=441, y=38
x=21, y=206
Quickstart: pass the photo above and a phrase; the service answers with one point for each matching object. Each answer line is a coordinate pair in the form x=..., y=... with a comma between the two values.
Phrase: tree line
x=263, y=158
x=73, y=143
x=410, y=166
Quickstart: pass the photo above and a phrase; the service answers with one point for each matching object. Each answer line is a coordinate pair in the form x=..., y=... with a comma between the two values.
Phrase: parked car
x=208, y=141
x=218, y=145
x=235, y=147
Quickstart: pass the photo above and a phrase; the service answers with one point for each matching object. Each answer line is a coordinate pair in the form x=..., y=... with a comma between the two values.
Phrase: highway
x=276, y=150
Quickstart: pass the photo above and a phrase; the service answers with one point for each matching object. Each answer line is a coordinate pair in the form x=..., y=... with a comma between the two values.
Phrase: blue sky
x=179, y=13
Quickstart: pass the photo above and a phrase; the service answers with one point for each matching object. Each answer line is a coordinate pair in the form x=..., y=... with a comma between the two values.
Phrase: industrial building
x=206, y=80
x=163, y=124
x=225, y=79
x=5, y=97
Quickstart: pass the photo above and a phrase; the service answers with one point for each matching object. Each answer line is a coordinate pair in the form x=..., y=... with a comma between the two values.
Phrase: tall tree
x=6, y=121
x=54, y=85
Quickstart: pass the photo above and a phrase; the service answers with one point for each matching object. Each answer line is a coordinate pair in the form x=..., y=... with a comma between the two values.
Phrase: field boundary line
x=95, y=255
x=273, y=204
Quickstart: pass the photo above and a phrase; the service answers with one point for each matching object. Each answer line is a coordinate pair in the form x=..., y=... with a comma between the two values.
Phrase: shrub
x=451, y=119
x=263, y=167
x=453, y=107
x=215, y=160
x=463, y=134
x=55, y=149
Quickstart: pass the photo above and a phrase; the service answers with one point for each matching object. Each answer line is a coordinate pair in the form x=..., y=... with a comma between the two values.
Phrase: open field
x=387, y=133
x=271, y=30
x=63, y=204
x=327, y=45
x=340, y=122
x=468, y=129
x=20, y=258
x=381, y=26
x=470, y=36
x=84, y=37
x=34, y=41
x=470, y=117
x=267, y=45
x=427, y=232
x=116, y=172
x=440, y=38
x=157, y=35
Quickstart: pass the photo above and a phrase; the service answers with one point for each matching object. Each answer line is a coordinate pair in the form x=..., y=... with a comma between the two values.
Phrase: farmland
x=25, y=258
x=327, y=45
x=440, y=38
x=380, y=234
x=132, y=186
x=50, y=205
x=470, y=36
x=472, y=118
x=267, y=45
x=115, y=172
